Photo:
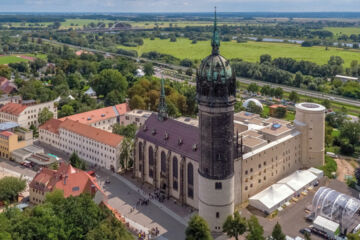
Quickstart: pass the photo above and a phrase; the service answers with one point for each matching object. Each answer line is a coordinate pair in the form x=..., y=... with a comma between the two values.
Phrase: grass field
x=16, y=59
x=250, y=51
x=343, y=30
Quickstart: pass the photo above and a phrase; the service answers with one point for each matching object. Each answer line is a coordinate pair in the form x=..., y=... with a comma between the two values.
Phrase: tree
x=109, y=229
x=234, y=225
x=256, y=231
x=10, y=187
x=148, y=69
x=76, y=162
x=326, y=103
x=294, y=97
x=114, y=97
x=127, y=131
x=137, y=102
x=253, y=108
x=44, y=116
x=5, y=71
x=351, y=131
x=109, y=80
x=66, y=110
x=126, y=160
x=197, y=229
x=353, y=236
x=253, y=88
x=265, y=58
x=278, y=92
x=298, y=79
x=277, y=233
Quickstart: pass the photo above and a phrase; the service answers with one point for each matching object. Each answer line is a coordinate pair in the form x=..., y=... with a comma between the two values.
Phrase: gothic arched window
x=190, y=177
x=190, y=174
x=163, y=162
x=151, y=161
x=175, y=173
x=140, y=151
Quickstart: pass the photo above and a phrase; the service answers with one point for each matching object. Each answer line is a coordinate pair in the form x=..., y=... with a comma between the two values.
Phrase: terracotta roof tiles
x=96, y=134
x=13, y=108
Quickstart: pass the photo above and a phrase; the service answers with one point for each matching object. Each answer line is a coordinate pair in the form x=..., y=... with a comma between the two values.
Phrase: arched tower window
x=151, y=161
x=175, y=173
x=190, y=177
x=163, y=162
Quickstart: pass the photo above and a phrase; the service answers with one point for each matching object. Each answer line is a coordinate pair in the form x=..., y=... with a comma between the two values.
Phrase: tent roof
x=326, y=223
x=273, y=195
x=298, y=179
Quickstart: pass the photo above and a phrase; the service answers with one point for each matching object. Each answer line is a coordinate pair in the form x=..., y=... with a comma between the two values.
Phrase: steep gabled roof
x=176, y=136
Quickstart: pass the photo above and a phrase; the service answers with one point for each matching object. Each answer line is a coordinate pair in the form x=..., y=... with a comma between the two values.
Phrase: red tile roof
x=71, y=180
x=96, y=134
x=13, y=108
x=99, y=114
x=51, y=125
x=6, y=133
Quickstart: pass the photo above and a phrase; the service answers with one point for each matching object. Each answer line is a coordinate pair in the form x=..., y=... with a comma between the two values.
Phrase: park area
x=6, y=59
x=249, y=51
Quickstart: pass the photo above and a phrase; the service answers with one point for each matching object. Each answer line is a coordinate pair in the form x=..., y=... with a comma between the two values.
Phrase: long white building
x=95, y=146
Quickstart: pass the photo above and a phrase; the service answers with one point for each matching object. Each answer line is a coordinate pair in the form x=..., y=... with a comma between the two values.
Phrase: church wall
x=161, y=179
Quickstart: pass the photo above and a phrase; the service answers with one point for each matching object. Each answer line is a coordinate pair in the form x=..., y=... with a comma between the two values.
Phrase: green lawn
x=15, y=59
x=343, y=30
x=11, y=59
x=250, y=51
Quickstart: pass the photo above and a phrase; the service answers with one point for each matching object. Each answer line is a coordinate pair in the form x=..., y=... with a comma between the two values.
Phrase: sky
x=179, y=5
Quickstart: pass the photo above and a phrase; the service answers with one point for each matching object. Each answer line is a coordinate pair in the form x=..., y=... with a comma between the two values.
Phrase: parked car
x=305, y=230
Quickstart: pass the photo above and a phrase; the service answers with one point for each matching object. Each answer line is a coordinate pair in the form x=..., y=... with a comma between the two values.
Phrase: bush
x=329, y=167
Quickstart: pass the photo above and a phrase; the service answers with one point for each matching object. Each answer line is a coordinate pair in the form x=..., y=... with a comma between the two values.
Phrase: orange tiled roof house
x=70, y=180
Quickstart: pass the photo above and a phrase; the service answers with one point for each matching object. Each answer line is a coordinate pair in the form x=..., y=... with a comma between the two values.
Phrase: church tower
x=216, y=89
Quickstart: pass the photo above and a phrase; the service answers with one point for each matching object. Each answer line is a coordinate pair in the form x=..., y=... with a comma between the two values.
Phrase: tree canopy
x=10, y=187
x=197, y=229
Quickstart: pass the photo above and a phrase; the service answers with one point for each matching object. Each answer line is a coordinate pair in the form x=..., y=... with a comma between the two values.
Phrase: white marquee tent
x=279, y=193
x=299, y=180
x=271, y=198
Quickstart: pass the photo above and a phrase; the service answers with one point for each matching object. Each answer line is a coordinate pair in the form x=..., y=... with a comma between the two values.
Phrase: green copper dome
x=215, y=67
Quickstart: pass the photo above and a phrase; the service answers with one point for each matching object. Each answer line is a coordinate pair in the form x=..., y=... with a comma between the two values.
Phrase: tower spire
x=162, y=114
x=215, y=41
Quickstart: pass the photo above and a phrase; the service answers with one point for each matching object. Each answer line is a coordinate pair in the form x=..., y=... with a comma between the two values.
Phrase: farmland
x=250, y=51
x=343, y=30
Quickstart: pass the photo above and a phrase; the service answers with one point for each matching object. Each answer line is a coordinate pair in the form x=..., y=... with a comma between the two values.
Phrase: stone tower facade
x=310, y=121
x=216, y=89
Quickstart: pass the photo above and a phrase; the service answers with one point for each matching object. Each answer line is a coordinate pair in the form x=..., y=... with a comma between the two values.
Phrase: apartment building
x=25, y=114
x=95, y=146
x=103, y=118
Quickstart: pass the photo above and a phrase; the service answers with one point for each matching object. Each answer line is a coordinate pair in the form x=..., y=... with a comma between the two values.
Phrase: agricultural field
x=250, y=51
x=337, y=31
x=149, y=24
x=6, y=59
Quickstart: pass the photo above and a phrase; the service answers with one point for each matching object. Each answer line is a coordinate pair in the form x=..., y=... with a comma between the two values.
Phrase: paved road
x=123, y=198
x=304, y=92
